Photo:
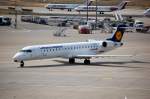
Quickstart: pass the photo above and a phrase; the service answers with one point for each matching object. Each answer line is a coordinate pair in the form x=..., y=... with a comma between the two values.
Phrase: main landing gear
x=72, y=61
x=69, y=10
x=101, y=12
x=87, y=61
x=21, y=64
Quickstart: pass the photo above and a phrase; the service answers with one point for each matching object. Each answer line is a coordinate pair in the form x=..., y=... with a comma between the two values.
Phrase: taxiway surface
x=105, y=78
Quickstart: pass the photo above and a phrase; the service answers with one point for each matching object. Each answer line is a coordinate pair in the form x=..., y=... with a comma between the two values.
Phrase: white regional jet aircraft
x=69, y=7
x=80, y=50
x=102, y=9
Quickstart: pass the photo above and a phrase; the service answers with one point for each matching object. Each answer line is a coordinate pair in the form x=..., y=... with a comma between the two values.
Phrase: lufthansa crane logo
x=118, y=35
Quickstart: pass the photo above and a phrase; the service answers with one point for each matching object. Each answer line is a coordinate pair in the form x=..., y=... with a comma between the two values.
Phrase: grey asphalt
x=105, y=78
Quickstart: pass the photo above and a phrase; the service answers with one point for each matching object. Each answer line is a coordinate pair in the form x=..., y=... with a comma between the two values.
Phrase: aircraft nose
x=17, y=57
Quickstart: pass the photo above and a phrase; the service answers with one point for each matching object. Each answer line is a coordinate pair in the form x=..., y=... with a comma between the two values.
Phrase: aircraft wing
x=97, y=56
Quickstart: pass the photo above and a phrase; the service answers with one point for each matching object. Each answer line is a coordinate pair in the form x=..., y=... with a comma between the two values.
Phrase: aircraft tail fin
x=122, y=5
x=118, y=34
x=88, y=2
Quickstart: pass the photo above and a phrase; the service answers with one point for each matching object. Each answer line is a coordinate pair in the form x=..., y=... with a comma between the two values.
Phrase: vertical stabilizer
x=118, y=34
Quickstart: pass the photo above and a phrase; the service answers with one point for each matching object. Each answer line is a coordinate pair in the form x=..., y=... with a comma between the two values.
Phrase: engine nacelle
x=104, y=44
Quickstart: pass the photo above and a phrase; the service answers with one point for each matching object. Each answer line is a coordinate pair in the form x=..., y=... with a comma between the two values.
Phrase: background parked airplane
x=147, y=13
x=102, y=9
x=69, y=7
x=81, y=50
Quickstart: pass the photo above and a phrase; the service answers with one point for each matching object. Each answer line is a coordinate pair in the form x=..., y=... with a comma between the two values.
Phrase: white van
x=139, y=25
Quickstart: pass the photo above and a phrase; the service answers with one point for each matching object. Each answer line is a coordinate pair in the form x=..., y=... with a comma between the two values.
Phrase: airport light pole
x=16, y=9
x=16, y=15
x=87, y=11
x=15, y=24
x=96, y=13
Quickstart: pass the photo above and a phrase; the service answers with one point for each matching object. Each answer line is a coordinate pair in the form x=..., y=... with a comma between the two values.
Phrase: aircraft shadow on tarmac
x=119, y=64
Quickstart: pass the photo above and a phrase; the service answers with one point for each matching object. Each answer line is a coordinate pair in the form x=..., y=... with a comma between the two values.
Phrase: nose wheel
x=21, y=64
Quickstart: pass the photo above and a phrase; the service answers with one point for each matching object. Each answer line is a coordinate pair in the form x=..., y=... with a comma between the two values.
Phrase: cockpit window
x=28, y=51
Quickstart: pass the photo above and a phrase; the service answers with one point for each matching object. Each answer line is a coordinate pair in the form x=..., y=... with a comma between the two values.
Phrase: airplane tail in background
x=122, y=5
x=118, y=34
x=89, y=2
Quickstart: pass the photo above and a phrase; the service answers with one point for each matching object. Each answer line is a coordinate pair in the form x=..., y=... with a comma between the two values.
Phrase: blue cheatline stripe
x=51, y=47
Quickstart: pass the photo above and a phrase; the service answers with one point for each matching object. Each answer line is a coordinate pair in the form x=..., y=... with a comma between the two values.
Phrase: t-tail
x=118, y=34
x=88, y=2
x=122, y=5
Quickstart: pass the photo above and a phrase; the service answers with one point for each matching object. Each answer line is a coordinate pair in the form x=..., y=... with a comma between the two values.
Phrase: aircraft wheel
x=86, y=61
x=101, y=12
x=71, y=60
x=69, y=10
x=21, y=64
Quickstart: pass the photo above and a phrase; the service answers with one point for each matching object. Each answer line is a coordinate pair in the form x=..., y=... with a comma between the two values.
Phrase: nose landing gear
x=21, y=64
